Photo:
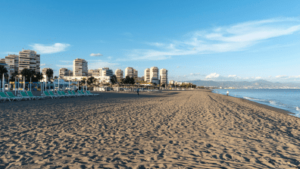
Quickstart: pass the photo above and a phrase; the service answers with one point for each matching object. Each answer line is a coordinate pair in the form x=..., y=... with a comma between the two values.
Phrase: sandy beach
x=171, y=129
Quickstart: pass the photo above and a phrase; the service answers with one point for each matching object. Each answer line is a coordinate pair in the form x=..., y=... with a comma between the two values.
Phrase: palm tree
x=49, y=73
x=27, y=73
x=4, y=71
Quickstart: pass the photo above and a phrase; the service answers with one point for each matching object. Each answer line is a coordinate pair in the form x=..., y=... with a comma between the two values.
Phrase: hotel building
x=163, y=76
x=147, y=75
x=154, y=75
x=80, y=67
x=13, y=63
x=129, y=72
x=65, y=72
x=119, y=74
x=29, y=59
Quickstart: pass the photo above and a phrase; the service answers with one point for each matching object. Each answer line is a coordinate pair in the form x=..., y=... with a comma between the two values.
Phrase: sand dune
x=187, y=129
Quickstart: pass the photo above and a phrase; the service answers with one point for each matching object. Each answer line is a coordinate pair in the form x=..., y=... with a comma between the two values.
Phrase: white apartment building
x=65, y=72
x=13, y=63
x=129, y=72
x=147, y=75
x=163, y=76
x=106, y=72
x=29, y=59
x=94, y=72
x=119, y=74
x=80, y=67
x=172, y=82
x=135, y=73
x=154, y=75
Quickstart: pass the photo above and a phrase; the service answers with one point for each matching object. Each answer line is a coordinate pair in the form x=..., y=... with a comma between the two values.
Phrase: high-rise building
x=129, y=72
x=119, y=74
x=106, y=72
x=135, y=73
x=65, y=72
x=163, y=76
x=154, y=75
x=29, y=59
x=94, y=72
x=13, y=63
x=147, y=75
x=80, y=67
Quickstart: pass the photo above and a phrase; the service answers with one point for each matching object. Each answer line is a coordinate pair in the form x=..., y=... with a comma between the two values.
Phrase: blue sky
x=208, y=40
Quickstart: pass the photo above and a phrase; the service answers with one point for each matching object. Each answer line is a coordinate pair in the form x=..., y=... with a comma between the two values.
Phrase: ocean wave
x=272, y=102
x=297, y=108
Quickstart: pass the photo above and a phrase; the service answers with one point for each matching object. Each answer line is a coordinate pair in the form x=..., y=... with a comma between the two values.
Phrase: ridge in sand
x=172, y=129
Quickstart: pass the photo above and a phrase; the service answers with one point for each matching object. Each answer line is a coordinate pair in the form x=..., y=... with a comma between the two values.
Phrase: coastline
x=171, y=129
x=279, y=110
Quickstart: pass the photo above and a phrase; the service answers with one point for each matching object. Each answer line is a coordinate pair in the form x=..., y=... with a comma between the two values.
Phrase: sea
x=286, y=99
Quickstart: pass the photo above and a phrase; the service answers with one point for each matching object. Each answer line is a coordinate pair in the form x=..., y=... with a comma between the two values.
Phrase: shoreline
x=269, y=107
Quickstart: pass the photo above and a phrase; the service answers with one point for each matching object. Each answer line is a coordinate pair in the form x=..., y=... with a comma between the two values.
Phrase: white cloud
x=212, y=76
x=42, y=64
x=258, y=77
x=55, y=48
x=222, y=39
x=232, y=76
x=281, y=76
x=96, y=54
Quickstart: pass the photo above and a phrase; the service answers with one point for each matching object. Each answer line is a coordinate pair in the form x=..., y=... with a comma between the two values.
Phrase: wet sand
x=172, y=129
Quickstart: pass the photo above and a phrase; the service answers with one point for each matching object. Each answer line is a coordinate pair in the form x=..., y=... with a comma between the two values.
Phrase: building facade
x=63, y=72
x=29, y=59
x=13, y=63
x=119, y=74
x=163, y=76
x=135, y=73
x=147, y=75
x=80, y=67
x=106, y=72
x=154, y=75
x=129, y=71
x=94, y=72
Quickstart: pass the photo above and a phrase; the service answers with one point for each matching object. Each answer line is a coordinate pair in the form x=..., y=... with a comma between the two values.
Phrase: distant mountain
x=245, y=84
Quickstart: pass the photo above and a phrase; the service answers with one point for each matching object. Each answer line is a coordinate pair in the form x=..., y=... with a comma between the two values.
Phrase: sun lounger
x=29, y=93
x=76, y=94
x=71, y=93
x=60, y=94
x=89, y=92
x=24, y=95
x=53, y=95
x=3, y=96
x=46, y=94
x=12, y=96
x=82, y=93
x=67, y=95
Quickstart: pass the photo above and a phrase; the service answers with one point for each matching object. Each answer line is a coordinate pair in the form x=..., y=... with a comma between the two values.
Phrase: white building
x=129, y=71
x=154, y=75
x=106, y=72
x=163, y=76
x=80, y=67
x=147, y=75
x=119, y=74
x=29, y=59
x=64, y=72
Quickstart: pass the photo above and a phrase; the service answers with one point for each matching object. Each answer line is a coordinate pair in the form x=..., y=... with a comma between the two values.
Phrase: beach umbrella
x=69, y=84
x=15, y=86
x=3, y=88
x=46, y=83
x=58, y=83
x=85, y=85
x=23, y=83
x=30, y=85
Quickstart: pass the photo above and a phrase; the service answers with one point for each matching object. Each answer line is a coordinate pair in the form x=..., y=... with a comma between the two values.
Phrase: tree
x=113, y=79
x=49, y=73
x=13, y=76
x=91, y=80
x=3, y=70
x=27, y=73
x=128, y=80
x=38, y=77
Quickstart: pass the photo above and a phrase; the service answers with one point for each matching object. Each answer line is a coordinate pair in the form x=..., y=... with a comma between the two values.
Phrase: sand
x=172, y=129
